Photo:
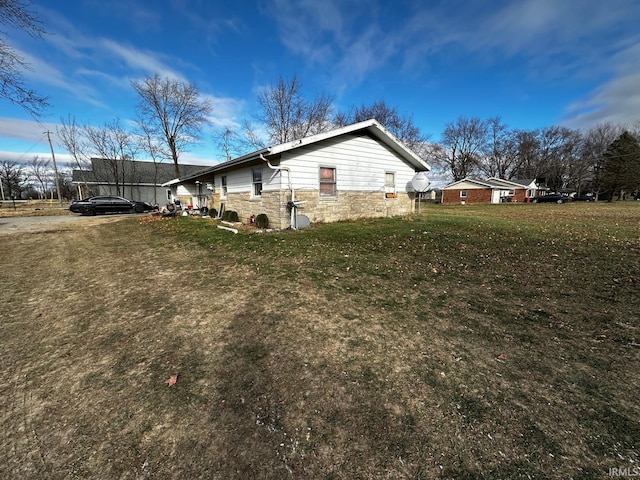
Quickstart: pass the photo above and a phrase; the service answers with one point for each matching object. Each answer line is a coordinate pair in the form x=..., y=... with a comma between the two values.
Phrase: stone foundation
x=349, y=205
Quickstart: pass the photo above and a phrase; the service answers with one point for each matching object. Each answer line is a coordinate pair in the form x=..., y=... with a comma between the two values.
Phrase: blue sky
x=535, y=63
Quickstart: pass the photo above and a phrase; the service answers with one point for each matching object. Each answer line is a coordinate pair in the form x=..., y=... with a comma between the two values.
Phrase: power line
x=41, y=140
x=55, y=167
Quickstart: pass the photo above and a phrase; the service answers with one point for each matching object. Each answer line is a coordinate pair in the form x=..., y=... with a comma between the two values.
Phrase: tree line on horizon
x=171, y=116
x=603, y=160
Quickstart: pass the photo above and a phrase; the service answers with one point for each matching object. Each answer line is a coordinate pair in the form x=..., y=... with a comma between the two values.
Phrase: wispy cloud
x=308, y=28
x=226, y=111
x=559, y=42
x=617, y=100
x=27, y=130
x=143, y=61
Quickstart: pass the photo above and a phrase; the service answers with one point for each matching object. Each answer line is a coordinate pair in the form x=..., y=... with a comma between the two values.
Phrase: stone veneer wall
x=353, y=205
x=348, y=205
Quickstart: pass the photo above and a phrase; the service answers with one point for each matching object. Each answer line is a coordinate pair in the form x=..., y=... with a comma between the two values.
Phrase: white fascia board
x=470, y=180
x=171, y=182
x=372, y=127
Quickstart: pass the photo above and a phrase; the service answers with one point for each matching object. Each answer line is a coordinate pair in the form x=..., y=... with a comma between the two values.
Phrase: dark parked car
x=109, y=204
x=584, y=198
x=553, y=198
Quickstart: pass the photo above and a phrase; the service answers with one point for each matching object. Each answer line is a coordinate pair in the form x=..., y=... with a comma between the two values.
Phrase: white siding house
x=358, y=171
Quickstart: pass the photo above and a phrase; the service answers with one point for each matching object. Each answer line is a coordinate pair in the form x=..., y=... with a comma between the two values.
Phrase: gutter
x=293, y=204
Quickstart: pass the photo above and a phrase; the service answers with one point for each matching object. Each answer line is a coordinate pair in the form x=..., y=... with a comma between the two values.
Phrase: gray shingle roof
x=132, y=172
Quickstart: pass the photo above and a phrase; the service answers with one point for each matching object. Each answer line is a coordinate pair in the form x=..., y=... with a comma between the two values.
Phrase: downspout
x=288, y=170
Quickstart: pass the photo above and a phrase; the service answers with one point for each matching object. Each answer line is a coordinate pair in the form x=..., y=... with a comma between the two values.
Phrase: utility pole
x=55, y=167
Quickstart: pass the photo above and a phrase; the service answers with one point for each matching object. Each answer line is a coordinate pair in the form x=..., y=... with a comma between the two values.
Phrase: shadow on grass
x=285, y=415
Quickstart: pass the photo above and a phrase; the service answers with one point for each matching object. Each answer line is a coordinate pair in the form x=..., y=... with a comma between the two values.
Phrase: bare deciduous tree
x=172, y=111
x=232, y=144
x=528, y=146
x=115, y=145
x=251, y=136
x=501, y=150
x=401, y=126
x=288, y=116
x=71, y=138
x=38, y=170
x=558, y=150
x=11, y=178
x=463, y=143
x=15, y=14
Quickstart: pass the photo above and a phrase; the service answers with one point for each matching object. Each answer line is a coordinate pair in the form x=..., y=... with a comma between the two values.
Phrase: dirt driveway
x=39, y=224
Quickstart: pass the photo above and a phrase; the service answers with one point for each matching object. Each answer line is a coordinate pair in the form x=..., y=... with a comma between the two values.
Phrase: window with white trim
x=390, y=183
x=327, y=182
x=463, y=194
x=223, y=186
x=256, y=182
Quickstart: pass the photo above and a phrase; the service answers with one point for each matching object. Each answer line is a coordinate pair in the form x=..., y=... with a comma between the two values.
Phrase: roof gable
x=493, y=183
x=370, y=127
x=479, y=183
x=529, y=183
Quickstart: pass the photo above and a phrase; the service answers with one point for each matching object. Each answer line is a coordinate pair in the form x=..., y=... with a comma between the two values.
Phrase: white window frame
x=390, y=186
x=334, y=182
x=256, y=186
x=223, y=186
x=463, y=194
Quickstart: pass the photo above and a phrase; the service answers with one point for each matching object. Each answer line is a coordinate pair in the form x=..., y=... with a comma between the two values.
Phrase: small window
x=390, y=184
x=256, y=174
x=463, y=194
x=327, y=182
x=511, y=193
x=223, y=186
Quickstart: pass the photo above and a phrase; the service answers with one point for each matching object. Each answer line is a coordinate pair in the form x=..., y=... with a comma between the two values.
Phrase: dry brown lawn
x=385, y=349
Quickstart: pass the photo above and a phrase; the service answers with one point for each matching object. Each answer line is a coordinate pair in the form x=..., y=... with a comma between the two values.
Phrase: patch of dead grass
x=367, y=350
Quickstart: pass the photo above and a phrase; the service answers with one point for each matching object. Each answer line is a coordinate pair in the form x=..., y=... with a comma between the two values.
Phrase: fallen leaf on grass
x=172, y=380
x=501, y=358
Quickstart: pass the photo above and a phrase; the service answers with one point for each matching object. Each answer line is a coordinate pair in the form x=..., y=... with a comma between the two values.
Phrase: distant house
x=136, y=180
x=357, y=171
x=491, y=190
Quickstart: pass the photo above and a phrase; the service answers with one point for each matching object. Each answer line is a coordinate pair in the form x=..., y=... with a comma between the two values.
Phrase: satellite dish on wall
x=420, y=182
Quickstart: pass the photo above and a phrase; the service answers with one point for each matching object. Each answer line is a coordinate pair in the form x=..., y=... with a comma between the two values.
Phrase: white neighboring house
x=353, y=172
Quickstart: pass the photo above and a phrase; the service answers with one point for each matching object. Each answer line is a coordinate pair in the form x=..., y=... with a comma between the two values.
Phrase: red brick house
x=492, y=190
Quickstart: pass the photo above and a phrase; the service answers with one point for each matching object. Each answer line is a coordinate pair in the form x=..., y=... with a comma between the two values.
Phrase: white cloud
x=616, y=101
x=142, y=61
x=225, y=111
x=25, y=130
